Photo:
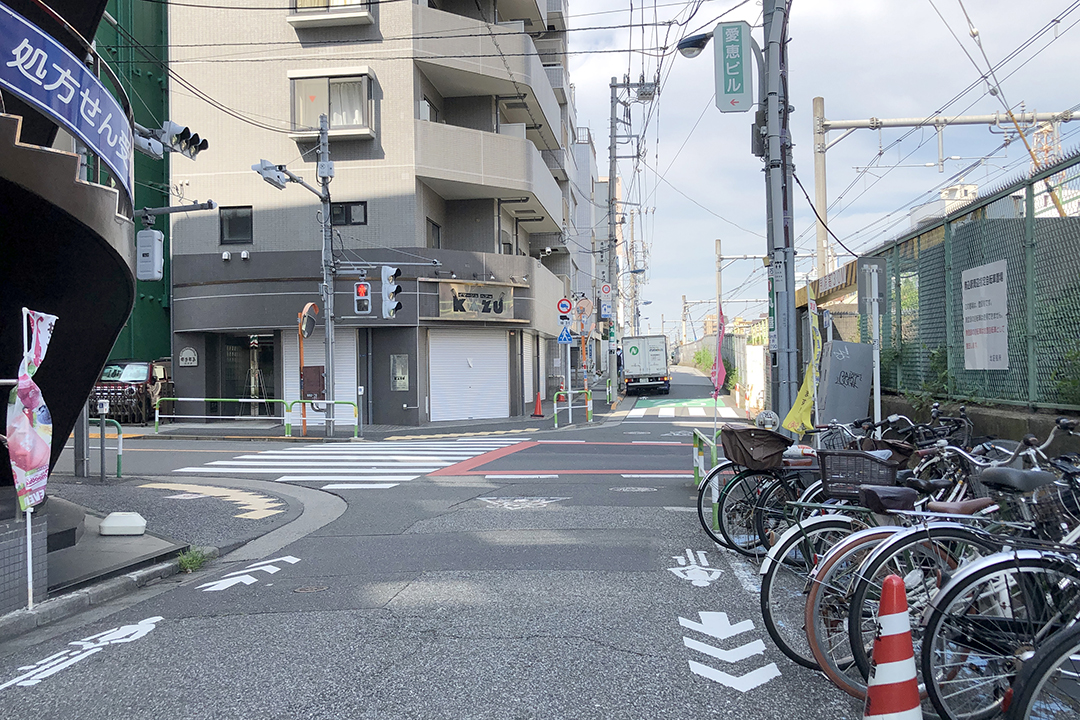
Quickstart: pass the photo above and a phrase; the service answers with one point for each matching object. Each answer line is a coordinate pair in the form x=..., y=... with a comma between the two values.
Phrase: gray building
x=452, y=131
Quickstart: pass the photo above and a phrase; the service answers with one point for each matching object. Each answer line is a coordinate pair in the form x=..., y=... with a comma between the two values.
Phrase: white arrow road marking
x=715, y=624
x=284, y=558
x=226, y=583
x=743, y=683
x=268, y=569
x=756, y=647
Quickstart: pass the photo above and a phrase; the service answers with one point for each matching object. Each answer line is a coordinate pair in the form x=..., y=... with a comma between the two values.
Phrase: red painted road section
x=473, y=466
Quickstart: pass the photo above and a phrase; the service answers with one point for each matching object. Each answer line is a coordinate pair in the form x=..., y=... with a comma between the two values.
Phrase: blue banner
x=42, y=72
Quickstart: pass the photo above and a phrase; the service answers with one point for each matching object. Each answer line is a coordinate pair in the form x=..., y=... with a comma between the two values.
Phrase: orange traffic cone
x=538, y=411
x=893, y=689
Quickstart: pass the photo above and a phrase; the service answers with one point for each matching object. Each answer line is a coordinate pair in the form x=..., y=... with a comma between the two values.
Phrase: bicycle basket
x=844, y=471
x=1054, y=509
x=754, y=448
x=834, y=440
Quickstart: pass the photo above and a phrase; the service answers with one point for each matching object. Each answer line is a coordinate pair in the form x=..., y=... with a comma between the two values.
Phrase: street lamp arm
x=293, y=177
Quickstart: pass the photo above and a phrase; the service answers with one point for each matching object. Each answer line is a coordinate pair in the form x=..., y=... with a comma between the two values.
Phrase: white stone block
x=122, y=523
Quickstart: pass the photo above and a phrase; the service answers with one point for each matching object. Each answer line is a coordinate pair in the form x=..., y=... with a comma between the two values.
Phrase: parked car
x=132, y=387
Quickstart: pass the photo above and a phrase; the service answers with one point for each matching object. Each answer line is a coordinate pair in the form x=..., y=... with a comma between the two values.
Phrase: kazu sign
x=461, y=301
x=42, y=72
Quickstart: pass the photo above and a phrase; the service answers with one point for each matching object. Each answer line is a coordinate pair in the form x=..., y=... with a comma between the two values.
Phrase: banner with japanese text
x=29, y=424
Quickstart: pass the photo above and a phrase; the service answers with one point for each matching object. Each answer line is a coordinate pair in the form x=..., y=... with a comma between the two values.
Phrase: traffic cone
x=538, y=412
x=893, y=690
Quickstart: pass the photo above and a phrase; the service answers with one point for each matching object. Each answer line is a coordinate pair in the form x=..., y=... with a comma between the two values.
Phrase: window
x=346, y=101
x=235, y=225
x=354, y=213
x=434, y=235
x=428, y=111
x=330, y=13
x=328, y=4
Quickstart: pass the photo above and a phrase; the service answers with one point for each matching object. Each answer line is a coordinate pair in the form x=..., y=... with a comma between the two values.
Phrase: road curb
x=21, y=622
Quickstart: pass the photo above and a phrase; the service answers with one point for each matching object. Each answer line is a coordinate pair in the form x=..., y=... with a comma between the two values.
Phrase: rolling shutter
x=528, y=366
x=469, y=372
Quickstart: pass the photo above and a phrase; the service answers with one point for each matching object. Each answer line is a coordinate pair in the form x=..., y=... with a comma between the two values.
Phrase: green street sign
x=734, y=79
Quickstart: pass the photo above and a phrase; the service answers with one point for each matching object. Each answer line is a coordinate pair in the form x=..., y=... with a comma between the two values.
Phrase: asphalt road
x=559, y=576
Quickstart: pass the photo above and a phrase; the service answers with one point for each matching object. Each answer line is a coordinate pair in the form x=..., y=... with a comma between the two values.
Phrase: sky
x=888, y=59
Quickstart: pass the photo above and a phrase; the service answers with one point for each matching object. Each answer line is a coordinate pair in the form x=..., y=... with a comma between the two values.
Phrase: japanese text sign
x=734, y=80
x=46, y=75
x=985, y=301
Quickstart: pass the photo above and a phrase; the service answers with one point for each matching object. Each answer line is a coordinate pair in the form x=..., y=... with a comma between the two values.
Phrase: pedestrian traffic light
x=390, y=290
x=362, y=298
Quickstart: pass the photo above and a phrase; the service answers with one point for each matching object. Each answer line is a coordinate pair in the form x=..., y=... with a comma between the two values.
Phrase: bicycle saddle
x=883, y=498
x=1003, y=478
x=925, y=486
x=964, y=507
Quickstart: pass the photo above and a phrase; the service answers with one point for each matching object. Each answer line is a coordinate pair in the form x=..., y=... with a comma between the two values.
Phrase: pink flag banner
x=718, y=373
x=29, y=424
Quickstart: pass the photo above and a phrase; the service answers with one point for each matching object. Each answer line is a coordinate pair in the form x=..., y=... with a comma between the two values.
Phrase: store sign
x=985, y=304
x=399, y=372
x=462, y=301
x=42, y=72
x=188, y=357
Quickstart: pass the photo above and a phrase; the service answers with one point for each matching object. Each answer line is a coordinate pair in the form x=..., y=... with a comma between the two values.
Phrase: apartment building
x=456, y=159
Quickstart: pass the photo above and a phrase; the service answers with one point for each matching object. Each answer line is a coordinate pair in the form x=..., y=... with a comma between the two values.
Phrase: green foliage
x=1066, y=378
x=934, y=385
x=731, y=374
x=192, y=559
x=703, y=360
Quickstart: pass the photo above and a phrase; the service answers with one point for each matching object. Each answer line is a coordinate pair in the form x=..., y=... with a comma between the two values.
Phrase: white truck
x=645, y=364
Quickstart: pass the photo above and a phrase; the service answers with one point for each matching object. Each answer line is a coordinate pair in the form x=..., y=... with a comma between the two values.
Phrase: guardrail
x=705, y=455
x=569, y=407
x=119, y=444
x=249, y=401
x=289, y=407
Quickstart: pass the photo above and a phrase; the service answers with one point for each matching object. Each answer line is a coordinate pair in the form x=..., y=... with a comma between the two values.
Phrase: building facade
x=452, y=133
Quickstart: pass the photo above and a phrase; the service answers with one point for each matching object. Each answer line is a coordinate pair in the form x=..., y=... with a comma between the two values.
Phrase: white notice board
x=985, y=307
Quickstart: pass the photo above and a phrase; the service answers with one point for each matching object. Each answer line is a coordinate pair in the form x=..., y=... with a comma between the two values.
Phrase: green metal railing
x=569, y=407
x=119, y=443
x=249, y=401
x=289, y=407
x=704, y=455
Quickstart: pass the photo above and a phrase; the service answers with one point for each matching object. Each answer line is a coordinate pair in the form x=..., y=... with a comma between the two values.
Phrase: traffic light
x=390, y=290
x=271, y=174
x=180, y=139
x=362, y=298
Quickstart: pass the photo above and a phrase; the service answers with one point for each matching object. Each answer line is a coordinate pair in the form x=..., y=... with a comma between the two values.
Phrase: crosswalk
x=682, y=412
x=362, y=466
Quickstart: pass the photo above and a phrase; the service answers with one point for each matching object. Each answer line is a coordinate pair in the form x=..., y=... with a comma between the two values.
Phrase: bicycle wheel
x=736, y=513
x=708, y=502
x=785, y=577
x=987, y=621
x=925, y=557
x=826, y=609
x=770, y=522
x=1049, y=686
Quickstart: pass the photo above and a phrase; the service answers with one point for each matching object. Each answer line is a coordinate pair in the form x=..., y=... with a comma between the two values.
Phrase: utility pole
x=326, y=172
x=779, y=195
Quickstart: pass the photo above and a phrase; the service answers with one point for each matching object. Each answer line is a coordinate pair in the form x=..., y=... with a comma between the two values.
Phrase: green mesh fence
x=923, y=321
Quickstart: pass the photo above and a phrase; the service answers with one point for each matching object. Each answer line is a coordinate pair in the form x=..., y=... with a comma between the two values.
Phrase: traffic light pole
x=326, y=171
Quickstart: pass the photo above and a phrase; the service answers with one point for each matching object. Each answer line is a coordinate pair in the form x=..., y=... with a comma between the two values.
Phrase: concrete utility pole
x=326, y=172
x=779, y=196
x=826, y=255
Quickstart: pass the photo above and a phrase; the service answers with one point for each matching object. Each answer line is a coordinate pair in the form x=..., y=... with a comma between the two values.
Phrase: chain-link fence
x=927, y=331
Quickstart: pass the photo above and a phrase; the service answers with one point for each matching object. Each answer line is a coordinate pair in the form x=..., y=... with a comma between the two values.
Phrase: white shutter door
x=469, y=372
x=528, y=367
x=314, y=352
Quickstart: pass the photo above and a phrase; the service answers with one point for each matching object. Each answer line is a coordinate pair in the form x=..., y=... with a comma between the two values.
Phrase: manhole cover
x=311, y=588
x=633, y=489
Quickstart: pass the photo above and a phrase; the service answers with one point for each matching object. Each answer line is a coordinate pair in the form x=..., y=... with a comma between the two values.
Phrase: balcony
x=556, y=13
x=557, y=76
x=556, y=162
x=460, y=59
x=465, y=164
x=329, y=13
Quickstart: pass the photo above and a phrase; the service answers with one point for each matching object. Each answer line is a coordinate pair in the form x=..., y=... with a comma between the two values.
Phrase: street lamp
x=279, y=176
x=773, y=113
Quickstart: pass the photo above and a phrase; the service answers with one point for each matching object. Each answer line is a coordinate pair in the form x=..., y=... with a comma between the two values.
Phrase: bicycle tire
x=785, y=576
x=1038, y=694
x=709, y=496
x=736, y=512
x=826, y=608
x=938, y=548
x=985, y=622
x=770, y=522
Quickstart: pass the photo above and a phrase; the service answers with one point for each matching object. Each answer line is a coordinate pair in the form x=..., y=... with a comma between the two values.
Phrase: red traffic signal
x=362, y=298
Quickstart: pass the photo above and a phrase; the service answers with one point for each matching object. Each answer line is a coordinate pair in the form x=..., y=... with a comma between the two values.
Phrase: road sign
x=734, y=79
x=564, y=320
x=605, y=290
x=565, y=306
x=564, y=337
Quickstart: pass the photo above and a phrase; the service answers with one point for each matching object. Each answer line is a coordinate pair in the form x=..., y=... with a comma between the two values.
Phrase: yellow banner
x=800, y=419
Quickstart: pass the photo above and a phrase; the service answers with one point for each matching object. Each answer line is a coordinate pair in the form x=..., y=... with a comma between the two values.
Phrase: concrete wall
x=477, y=113
x=13, y=562
x=470, y=225
x=387, y=404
